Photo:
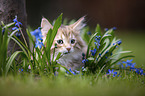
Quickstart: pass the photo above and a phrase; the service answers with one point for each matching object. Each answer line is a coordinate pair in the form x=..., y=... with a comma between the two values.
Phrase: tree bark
x=8, y=10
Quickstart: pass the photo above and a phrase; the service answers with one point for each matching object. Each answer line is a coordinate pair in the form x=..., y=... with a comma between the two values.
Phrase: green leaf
x=89, y=45
x=122, y=52
x=121, y=59
x=21, y=45
x=1, y=38
x=51, y=35
x=30, y=36
x=104, y=38
x=9, y=25
x=55, y=28
x=48, y=46
x=58, y=56
x=11, y=59
x=9, y=37
x=98, y=29
x=84, y=34
x=4, y=48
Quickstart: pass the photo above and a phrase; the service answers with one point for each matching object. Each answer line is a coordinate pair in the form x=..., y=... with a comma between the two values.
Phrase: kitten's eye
x=72, y=41
x=60, y=41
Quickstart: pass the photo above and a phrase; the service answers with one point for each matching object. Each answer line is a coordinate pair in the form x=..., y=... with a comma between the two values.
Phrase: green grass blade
x=98, y=29
x=30, y=36
x=9, y=37
x=11, y=59
x=121, y=59
x=1, y=34
x=122, y=52
x=4, y=49
x=51, y=35
x=89, y=45
x=1, y=38
x=55, y=28
x=9, y=25
x=19, y=43
x=48, y=46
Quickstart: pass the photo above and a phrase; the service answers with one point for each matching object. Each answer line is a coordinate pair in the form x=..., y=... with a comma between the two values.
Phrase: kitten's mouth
x=66, y=52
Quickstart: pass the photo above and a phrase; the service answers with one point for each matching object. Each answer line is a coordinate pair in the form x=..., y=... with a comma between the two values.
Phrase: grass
x=74, y=86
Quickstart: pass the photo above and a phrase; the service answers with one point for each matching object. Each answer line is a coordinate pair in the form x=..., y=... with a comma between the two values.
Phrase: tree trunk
x=8, y=10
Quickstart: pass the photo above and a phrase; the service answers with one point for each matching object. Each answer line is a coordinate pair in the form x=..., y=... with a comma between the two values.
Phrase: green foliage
x=106, y=52
x=5, y=61
x=102, y=53
x=32, y=60
x=40, y=62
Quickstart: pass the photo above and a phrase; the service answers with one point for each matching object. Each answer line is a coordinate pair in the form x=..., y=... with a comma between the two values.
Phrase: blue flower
x=21, y=70
x=18, y=35
x=84, y=61
x=17, y=25
x=98, y=37
x=15, y=20
x=106, y=52
x=3, y=31
x=137, y=70
x=114, y=43
x=15, y=28
x=100, y=54
x=38, y=43
x=114, y=28
x=120, y=65
x=128, y=63
x=115, y=74
x=132, y=65
x=89, y=33
x=141, y=71
x=71, y=72
x=97, y=43
x=119, y=42
x=37, y=33
x=93, y=52
x=111, y=72
x=106, y=29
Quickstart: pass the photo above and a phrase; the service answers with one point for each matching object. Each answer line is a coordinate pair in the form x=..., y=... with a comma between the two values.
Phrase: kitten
x=69, y=43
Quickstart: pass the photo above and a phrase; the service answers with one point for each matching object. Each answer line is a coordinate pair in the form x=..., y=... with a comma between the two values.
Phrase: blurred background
x=124, y=14
x=127, y=15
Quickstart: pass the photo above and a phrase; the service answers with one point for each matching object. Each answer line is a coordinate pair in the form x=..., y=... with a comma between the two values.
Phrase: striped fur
x=69, y=43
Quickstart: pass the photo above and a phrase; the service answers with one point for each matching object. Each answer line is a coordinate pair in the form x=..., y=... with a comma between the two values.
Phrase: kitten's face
x=67, y=38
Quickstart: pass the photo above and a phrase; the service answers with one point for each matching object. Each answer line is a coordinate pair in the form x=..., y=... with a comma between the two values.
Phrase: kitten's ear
x=78, y=24
x=45, y=25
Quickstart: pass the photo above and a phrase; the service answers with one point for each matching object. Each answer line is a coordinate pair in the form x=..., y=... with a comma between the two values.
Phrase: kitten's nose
x=68, y=49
